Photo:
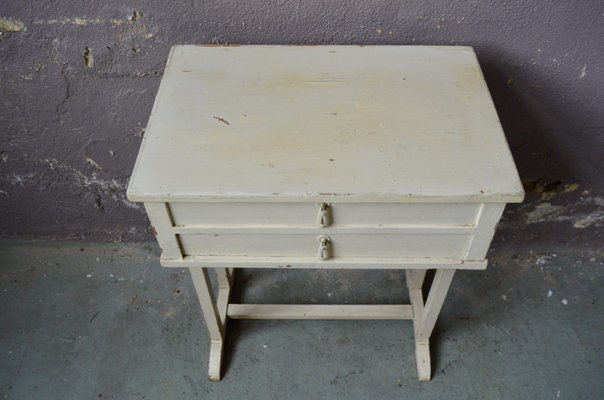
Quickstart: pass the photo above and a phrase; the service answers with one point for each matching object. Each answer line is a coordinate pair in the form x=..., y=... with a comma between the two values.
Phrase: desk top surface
x=324, y=123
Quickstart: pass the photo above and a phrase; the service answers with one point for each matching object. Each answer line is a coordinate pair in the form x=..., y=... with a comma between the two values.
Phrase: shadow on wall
x=555, y=157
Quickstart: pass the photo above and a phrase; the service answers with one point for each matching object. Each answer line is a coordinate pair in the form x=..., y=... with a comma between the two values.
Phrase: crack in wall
x=59, y=107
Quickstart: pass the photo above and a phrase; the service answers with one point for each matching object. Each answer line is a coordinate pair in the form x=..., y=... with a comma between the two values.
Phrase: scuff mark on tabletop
x=224, y=121
x=333, y=194
x=94, y=316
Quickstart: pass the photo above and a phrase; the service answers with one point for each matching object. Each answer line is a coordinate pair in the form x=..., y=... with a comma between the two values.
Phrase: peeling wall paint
x=78, y=80
x=11, y=25
x=88, y=58
x=81, y=21
x=581, y=213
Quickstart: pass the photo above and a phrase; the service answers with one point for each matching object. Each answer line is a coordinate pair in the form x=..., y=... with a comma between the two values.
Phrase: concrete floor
x=92, y=321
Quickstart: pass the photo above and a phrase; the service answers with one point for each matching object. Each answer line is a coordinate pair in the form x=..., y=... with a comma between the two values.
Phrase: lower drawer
x=340, y=245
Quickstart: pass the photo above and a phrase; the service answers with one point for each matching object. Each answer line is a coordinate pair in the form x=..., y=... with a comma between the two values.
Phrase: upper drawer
x=334, y=214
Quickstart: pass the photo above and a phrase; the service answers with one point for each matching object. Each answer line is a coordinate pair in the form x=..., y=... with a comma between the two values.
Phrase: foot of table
x=426, y=314
x=216, y=348
x=214, y=311
x=422, y=357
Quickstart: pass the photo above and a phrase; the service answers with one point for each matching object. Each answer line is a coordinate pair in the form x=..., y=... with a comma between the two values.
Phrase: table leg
x=426, y=314
x=214, y=312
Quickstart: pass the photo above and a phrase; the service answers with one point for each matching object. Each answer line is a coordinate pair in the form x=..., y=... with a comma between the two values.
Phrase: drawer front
x=333, y=214
x=400, y=245
x=210, y=214
x=390, y=214
x=340, y=245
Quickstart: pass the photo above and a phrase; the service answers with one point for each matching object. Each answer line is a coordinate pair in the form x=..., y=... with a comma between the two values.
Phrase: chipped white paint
x=583, y=72
x=324, y=157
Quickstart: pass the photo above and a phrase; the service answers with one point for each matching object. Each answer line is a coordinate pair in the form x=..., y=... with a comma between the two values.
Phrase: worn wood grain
x=324, y=123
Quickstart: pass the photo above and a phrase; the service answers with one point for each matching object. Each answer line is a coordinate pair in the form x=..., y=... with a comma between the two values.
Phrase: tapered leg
x=214, y=312
x=426, y=314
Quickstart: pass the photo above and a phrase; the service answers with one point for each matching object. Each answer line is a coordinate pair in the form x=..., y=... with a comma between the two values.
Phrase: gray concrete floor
x=105, y=321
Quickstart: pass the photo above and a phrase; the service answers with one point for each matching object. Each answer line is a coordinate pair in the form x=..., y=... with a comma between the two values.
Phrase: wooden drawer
x=341, y=245
x=230, y=233
x=385, y=214
x=338, y=214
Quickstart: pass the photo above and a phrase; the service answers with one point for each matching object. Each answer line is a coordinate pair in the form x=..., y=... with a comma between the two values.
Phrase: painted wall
x=78, y=79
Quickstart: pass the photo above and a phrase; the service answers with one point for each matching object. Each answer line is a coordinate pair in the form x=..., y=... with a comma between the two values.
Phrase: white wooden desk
x=325, y=157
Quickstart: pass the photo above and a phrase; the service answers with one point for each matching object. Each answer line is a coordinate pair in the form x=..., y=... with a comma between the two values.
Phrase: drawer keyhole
x=324, y=247
x=323, y=218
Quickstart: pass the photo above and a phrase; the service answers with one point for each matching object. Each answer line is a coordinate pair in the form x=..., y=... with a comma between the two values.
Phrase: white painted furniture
x=324, y=157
